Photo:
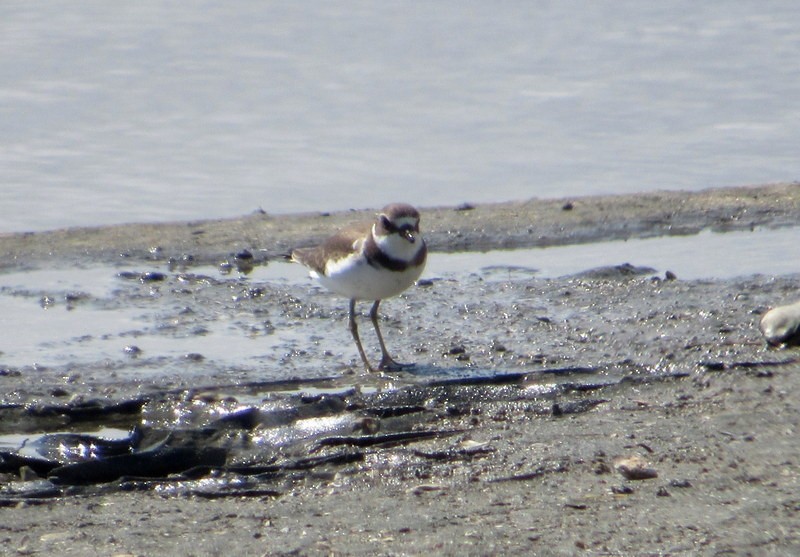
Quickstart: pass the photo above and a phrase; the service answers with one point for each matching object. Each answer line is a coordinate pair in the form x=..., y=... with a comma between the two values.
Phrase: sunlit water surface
x=152, y=110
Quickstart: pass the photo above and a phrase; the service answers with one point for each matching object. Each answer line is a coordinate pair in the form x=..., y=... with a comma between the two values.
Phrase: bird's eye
x=387, y=224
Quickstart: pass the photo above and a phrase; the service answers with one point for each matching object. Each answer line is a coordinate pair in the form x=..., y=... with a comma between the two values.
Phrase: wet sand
x=577, y=376
x=465, y=227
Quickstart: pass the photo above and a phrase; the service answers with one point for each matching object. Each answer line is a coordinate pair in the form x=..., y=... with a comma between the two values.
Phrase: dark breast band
x=379, y=260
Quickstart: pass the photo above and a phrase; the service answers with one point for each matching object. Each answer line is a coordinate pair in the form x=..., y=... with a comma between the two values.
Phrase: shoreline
x=481, y=227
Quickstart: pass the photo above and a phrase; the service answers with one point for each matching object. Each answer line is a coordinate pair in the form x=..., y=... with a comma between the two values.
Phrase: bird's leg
x=387, y=363
x=354, y=332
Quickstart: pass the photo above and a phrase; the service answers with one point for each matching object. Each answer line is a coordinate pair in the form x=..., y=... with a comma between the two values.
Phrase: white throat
x=396, y=246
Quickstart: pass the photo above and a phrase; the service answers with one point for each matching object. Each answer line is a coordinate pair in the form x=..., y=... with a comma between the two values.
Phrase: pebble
x=132, y=351
x=634, y=468
x=152, y=276
x=781, y=325
x=497, y=346
x=226, y=267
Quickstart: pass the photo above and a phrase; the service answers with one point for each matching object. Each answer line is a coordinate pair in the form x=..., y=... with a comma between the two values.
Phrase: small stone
x=601, y=468
x=152, y=276
x=634, y=468
x=621, y=490
x=497, y=346
x=226, y=267
x=781, y=325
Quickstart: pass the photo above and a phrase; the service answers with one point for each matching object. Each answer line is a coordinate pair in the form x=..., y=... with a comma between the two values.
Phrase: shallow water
x=159, y=111
x=88, y=315
x=91, y=316
x=707, y=255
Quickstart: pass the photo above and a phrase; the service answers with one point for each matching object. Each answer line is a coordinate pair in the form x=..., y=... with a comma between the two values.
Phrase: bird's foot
x=388, y=364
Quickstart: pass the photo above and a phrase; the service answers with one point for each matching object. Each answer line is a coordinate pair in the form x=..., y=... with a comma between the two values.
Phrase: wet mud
x=532, y=223
x=611, y=411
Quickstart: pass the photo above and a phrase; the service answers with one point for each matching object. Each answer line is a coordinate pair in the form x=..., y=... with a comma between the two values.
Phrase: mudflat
x=609, y=412
x=531, y=223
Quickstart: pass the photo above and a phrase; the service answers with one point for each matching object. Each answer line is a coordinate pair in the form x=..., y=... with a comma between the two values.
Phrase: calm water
x=98, y=327
x=140, y=111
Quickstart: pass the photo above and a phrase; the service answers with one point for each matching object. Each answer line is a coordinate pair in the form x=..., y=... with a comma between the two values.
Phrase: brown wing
x=338, y=246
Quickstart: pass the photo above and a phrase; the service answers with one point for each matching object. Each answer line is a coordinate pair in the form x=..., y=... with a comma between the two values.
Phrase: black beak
x=408, y=235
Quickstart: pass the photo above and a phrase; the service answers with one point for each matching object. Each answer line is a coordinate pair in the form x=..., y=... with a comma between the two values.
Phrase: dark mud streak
x=386, y=440
x=533, y=474
x=195, y=454
x=147, y=464
x=89, y=411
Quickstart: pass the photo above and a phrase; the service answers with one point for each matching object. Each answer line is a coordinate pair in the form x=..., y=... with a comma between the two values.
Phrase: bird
x=370, y=262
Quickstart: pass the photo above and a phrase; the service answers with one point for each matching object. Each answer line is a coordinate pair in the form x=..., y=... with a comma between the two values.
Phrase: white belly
x=354, y=278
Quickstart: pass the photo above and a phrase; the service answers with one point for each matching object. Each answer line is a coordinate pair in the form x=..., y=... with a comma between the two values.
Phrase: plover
x=370, y=262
